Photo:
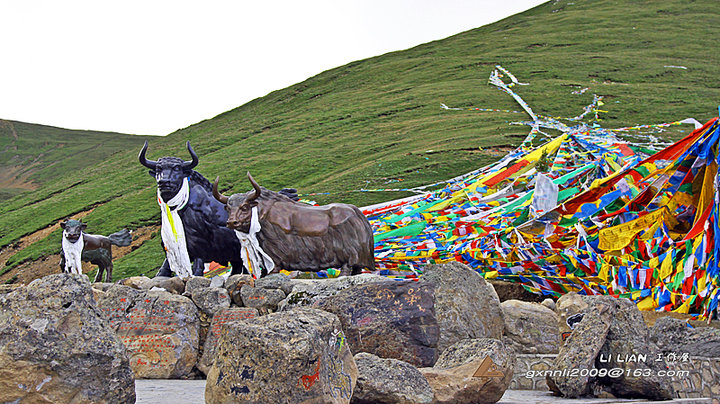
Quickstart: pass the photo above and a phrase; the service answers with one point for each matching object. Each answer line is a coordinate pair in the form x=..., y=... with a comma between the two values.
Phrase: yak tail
x=121, y=238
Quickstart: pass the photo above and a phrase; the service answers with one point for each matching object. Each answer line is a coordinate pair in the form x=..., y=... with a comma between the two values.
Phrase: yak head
x=169, y=172
x=239, y=206
x=72, y=229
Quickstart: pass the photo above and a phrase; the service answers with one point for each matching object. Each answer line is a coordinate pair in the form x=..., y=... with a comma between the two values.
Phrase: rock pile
x=446, y=338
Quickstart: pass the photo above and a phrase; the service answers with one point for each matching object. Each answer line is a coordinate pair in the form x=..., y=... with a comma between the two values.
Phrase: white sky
x=154, y=66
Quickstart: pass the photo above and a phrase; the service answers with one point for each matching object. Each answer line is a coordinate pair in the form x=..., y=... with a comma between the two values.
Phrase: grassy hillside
x=373, y=122
x=33, y=155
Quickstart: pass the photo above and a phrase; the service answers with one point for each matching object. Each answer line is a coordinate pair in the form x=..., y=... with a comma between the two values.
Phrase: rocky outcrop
x=159, y=329
x=296, y=356
x=55, y=346
x=390, y=319
x=389, y=381
x=472, y=371
x=466, y=306
x=530, y=327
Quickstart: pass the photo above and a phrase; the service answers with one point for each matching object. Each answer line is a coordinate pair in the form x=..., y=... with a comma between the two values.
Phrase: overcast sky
x=153, y=66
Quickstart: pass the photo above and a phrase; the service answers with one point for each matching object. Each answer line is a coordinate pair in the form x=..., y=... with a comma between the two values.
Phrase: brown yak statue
x=301, y=237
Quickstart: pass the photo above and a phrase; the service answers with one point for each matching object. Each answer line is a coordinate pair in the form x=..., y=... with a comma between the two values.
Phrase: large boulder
x=159, y=329
x=579, y=352
x=673, y=335
x=530, y=328
x=389, y=381
x=390, y=319
x=219, y=319
x=55, y=346
x=628, y=347
x=473, y=371
x=299, y=356
x=305, y=291
x=466, y=306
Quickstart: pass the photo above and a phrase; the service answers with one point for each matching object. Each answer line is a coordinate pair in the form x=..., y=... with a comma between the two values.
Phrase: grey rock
x=136, y=282
x=217, y=282
x=549, y=303
x=672, y=335
x=276, y=281
x=104, y=286
x=160, y=330
x=466, y=306
x=513, y=291
x=472, y=371
x=234, y=285
x=299, y=356
x=390, y=319
x=263, y=299
x=306, y=292
x=627, y=337
x=530, y=328
x=389, y=381
x=211, y=300
x=568, y=305
x=55, y=347
x=174, y=285
x=196, y=283
x=580, y=350
x=221, y=318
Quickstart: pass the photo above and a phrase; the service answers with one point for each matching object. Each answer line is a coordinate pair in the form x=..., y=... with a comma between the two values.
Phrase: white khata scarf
x=73, y=254
x=173, y=232
x=254, y=258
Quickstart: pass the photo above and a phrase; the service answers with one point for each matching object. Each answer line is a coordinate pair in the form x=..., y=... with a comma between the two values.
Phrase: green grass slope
x=373, y=122
x=33, y=155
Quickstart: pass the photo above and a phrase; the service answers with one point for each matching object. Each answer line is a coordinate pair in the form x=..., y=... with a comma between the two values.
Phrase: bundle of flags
x=584, y=212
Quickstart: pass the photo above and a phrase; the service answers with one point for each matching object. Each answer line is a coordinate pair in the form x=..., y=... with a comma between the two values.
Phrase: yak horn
x=147, y=163
x=220, y=197
x=256, y=186
x=191, y=164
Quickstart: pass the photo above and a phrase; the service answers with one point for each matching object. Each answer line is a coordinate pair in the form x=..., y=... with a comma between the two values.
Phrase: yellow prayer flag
x=666, y=268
